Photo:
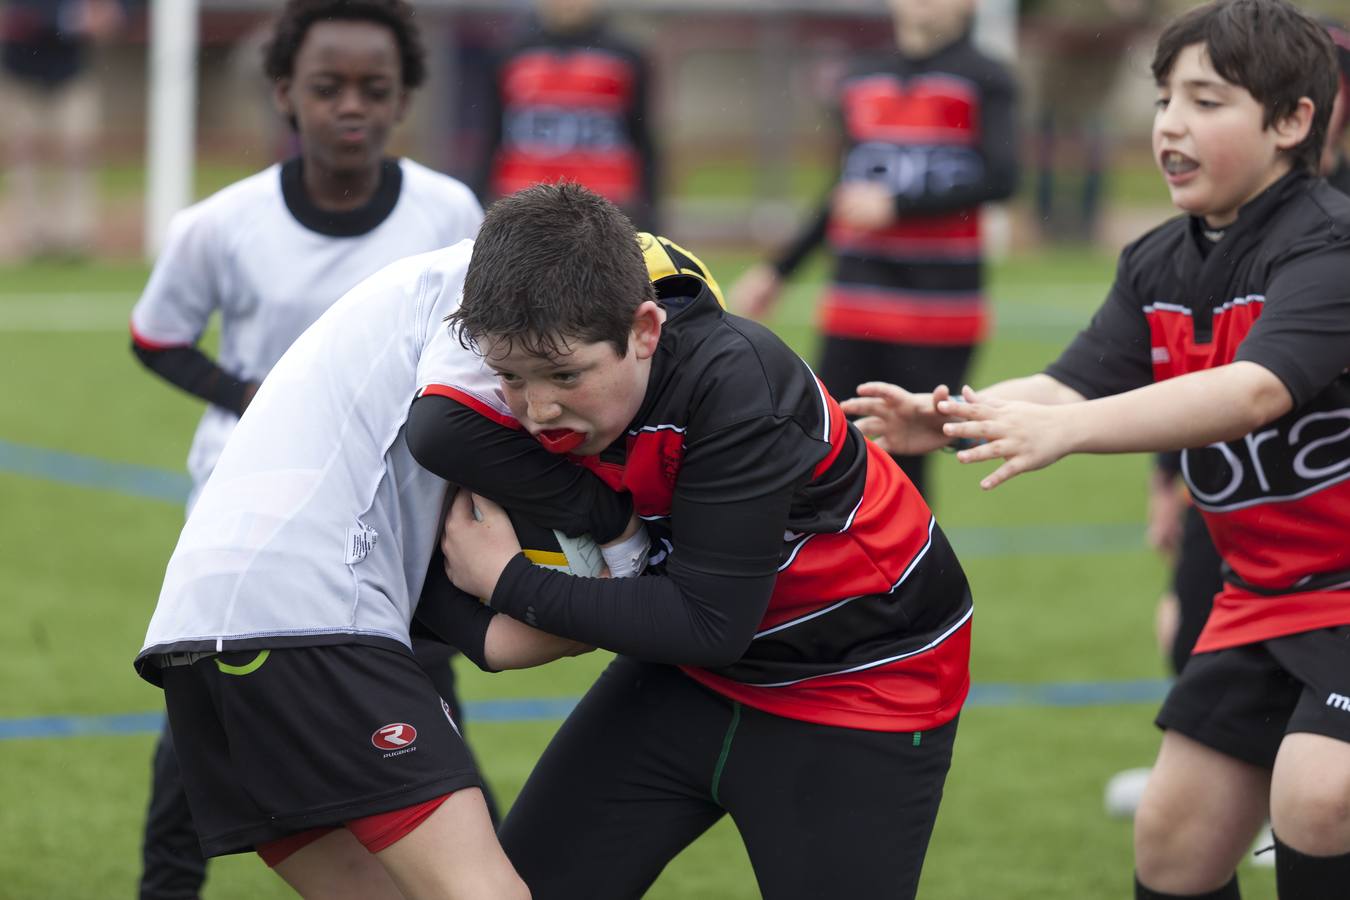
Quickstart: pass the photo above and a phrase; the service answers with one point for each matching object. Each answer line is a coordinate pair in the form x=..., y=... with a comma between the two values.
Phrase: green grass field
x=81, y=567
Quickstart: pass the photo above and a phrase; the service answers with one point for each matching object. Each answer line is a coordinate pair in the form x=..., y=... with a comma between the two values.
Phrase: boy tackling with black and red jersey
x=801, y=657
x=1225, y=336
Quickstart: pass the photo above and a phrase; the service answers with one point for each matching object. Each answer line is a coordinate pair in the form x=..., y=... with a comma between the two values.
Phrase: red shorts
x=375, y=832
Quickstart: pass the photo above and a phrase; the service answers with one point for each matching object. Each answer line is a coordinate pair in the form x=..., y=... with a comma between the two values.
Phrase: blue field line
x=76, y=470
x=546, y=709
x=147, y=483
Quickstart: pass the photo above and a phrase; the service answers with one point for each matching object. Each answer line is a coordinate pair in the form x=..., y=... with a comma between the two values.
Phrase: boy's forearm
x=511, y=644
x=1038, y=388
x=1193, y=410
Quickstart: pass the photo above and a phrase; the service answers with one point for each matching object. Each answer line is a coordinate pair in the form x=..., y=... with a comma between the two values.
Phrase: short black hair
x=299, y=15
x=1273, y=49
x=552, y=264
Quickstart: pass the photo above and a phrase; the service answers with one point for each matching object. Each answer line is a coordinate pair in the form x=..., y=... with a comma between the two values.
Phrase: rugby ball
x=555, y=550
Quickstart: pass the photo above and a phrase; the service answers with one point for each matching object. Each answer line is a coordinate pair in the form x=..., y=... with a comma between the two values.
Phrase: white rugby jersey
x=270, y=263
x=317, y=525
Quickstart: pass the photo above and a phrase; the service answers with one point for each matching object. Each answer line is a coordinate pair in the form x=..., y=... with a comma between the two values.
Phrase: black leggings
x=847, y=362
x=650, y=759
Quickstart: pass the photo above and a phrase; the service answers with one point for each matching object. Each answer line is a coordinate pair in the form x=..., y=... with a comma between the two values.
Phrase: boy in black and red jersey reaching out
x=1227, y=332
x=799, y=660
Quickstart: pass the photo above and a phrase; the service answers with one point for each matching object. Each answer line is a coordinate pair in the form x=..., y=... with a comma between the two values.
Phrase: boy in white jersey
x=282, y=631
x=270, y=254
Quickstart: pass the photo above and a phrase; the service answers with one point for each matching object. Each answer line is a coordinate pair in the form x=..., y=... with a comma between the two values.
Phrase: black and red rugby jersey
x=1274, y=290
x=939, y=134
x=572, y=106
x=750, y=478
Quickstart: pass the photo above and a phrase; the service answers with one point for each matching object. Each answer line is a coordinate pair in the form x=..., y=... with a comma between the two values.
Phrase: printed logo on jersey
x=1298, y=455
x=397, y=737
x=916, y=170
x=1340, y=701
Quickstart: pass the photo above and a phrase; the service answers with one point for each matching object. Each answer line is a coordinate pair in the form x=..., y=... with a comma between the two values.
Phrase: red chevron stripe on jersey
x=932, y=109
x=589, y=80
x=953, y=234
x=879, y=314
x=870, y=556
x=1174, y=347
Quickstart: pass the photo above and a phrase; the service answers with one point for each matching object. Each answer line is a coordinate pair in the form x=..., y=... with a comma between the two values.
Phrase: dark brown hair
x=552, y=264
x=1274, y=50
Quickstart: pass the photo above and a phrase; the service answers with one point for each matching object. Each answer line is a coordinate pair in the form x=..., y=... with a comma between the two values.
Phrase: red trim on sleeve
x=146, y=343
x=466, y=399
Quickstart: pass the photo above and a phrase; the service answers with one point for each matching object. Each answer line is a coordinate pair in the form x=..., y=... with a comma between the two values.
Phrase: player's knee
x=1159, y=850
x=1313, y=816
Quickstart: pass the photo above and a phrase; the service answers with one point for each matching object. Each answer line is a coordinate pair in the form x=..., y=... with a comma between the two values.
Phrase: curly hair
x=396, y=15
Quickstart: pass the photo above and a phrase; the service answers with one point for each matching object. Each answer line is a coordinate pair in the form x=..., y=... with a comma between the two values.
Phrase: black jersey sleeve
x=728, y=516
x=1112, y=354
x=1303, y=333
x=998, y=150
x=509, y=467
x=808, y=239
x=453, y=616
x=193, y=371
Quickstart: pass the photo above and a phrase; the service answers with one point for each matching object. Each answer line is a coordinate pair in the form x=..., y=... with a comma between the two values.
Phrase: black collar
x=346, y=223
x=1207, y=268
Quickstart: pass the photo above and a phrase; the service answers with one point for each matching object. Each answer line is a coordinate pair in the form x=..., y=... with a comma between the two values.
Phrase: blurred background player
x=270, y=254
x=49, y=103
x=570, y=100
x=1080, y=46
x=929, y=135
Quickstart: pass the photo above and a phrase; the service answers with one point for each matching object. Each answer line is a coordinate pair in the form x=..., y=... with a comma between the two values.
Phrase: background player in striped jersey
x=270, y=254
x=570, y=100
x=929, y=134
x=1224, y=336
x=802, y=657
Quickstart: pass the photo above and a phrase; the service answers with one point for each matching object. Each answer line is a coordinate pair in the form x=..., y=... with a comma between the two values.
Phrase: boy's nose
x=541, y=407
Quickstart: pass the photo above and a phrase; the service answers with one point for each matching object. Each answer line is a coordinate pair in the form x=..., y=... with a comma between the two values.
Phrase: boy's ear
x=1293, y=129
x=404, y=99
x=281, y=98
x=646, y=334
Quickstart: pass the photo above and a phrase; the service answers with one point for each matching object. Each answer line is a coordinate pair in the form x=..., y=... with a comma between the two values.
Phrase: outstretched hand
x=901, y=423
x=478, y=542
x=1026, y=436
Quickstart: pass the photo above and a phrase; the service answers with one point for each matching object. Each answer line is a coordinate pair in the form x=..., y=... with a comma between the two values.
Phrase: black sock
x=1299, y=876
x=1228, y=892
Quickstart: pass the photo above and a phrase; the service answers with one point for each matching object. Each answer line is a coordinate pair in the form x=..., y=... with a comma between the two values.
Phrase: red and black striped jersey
x=744, y=467
x=938, y=134
x=572, y=107
x=1272, y=291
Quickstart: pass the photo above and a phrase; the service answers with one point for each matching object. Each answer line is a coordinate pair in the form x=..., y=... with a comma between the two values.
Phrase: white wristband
x=629, y=556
